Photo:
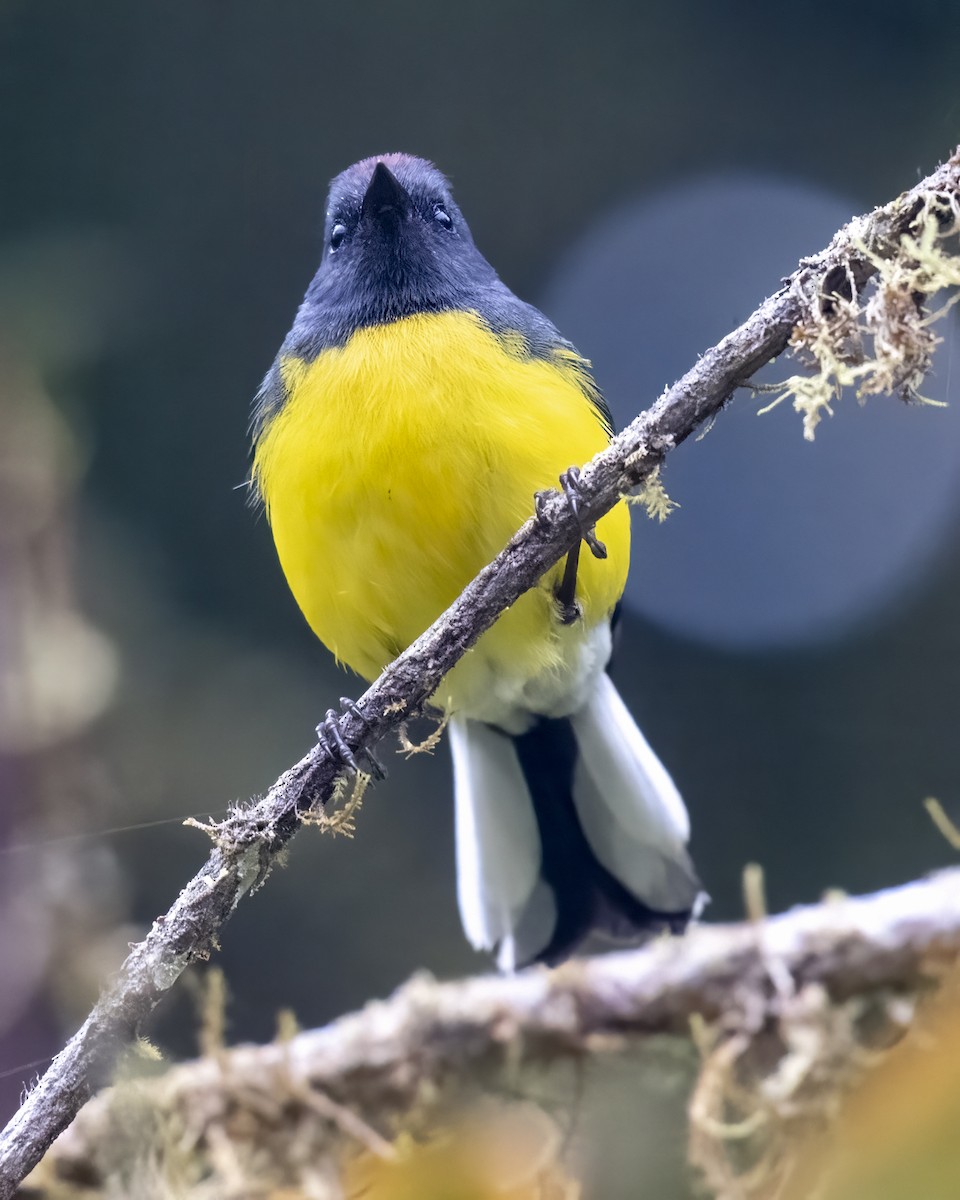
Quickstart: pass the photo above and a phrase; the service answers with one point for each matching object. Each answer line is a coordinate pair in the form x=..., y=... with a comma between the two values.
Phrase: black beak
x=384, y=195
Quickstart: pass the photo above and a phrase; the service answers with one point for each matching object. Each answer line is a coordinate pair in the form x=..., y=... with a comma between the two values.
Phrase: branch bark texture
x=365, y=1072
x=248, y=842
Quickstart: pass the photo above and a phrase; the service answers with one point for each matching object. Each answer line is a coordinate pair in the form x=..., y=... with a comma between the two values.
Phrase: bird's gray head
x=395, y=244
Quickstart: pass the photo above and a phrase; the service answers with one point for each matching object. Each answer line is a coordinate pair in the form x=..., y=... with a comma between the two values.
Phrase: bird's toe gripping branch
x=331, y=739
x=567, y=590
x=570, y=483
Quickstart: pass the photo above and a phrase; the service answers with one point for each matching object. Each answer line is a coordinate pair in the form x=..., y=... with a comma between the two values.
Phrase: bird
x=414, y=411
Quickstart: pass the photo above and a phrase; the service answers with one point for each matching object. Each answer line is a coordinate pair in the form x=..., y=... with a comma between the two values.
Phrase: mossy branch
x=247, y=843
x=431, y=1046
x=881, y=343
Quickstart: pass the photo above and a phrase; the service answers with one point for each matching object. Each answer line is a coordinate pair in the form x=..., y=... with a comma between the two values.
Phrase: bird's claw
x=377, y=769
x=570, y=485
x=539, y=504
x=331, y=739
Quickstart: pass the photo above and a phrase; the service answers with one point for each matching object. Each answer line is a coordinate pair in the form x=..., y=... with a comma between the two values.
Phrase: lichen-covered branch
x=357, y=1080
x=248, y=842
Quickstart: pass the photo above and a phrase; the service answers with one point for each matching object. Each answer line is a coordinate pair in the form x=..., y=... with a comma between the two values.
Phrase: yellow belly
x=401, y=464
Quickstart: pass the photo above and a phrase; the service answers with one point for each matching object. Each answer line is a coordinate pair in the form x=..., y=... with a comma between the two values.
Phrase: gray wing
x=268, y=401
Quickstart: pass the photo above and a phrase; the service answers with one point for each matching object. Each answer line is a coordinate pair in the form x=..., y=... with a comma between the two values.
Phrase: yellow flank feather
x=401, y=464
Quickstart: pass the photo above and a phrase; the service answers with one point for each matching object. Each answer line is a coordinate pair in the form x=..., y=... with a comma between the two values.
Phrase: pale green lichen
x=652, y=497
x=881, y=341
x=338, y=815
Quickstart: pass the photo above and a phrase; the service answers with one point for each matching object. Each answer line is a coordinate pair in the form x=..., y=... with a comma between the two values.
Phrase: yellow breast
x=401, y=464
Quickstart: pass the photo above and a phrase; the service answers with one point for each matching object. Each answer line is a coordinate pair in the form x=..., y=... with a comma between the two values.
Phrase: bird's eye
x=442, y=217
x=337, y=234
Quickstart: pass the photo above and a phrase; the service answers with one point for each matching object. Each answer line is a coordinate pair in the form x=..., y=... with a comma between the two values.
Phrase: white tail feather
x=498, y=846
x=629, y=807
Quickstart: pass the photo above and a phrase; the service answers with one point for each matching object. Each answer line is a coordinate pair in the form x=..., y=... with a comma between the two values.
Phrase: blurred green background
x=164, y=167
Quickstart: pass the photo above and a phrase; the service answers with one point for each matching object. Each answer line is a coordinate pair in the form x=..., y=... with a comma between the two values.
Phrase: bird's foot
x=570, y=610
x=331, y=739
x=570, y=486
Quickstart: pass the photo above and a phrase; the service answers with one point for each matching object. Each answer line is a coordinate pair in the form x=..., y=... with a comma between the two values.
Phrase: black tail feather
x=587, y=896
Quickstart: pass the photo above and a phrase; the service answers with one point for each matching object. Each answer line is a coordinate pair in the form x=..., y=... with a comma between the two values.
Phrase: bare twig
x=436, y=1039
x=247, y=843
